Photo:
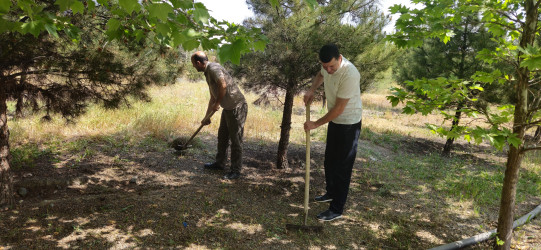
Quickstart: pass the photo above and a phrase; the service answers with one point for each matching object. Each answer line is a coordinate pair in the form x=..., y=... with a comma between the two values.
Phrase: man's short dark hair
x=197, y=57
x=328, y=52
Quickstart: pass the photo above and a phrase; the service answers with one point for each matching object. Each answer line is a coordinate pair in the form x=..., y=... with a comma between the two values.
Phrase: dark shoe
x=214, y=165
x=323, y=198
x=328, y=216
x=232, y=176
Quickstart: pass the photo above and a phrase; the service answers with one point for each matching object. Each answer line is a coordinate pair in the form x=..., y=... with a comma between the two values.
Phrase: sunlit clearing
x=247, y=229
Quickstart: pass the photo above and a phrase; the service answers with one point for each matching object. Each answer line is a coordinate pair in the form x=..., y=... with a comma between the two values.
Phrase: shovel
x=185, y=146
x=305, y=227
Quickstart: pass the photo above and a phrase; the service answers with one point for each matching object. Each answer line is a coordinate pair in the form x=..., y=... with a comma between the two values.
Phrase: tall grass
x=174, y=110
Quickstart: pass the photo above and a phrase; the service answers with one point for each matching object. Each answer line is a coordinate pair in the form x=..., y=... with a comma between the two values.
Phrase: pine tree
x=296, y=32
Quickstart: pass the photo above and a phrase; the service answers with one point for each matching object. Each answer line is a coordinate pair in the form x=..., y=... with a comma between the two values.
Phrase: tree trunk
x=6, y=180
x=450, y=140
x=514, y=157
x=20, y=98
x=464, y=47
x=537, y=136
x=19, y=106
x=507, y=203
x=285, y=128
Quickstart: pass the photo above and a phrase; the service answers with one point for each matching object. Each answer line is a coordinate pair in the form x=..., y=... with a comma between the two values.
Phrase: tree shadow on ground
x=123, y=194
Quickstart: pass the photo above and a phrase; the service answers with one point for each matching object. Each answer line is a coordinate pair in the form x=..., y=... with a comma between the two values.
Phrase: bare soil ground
x=119, y=194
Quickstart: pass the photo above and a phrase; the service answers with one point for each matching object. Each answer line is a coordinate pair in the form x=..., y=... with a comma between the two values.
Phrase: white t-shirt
x=345, y=83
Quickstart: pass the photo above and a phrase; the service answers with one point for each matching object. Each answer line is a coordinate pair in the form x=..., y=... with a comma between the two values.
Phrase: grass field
x=404, y=194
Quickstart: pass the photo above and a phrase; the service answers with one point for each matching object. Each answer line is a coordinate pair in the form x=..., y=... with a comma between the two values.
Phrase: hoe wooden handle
x=199, y=129
x=307, y=176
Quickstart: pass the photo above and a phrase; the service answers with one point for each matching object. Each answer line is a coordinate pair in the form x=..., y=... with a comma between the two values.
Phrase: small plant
x=26, y=155
x=499, y=242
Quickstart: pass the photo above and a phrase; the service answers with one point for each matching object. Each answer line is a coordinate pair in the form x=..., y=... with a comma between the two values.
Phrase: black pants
x=340, y=154
x=232, y=130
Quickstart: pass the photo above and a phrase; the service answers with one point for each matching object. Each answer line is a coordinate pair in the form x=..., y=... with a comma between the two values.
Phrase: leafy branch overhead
x=173, y=23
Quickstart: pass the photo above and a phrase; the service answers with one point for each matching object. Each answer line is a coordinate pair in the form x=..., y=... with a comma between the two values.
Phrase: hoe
x=305, y=227
x=178, y=145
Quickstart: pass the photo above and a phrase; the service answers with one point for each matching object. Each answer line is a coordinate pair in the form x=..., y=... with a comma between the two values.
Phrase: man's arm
x=316, y=82
x=221, y=85
x=209, y=110
x=337, y=110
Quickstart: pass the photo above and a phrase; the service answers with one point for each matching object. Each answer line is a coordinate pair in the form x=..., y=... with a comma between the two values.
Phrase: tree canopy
x=172, y=23
x=456, y=59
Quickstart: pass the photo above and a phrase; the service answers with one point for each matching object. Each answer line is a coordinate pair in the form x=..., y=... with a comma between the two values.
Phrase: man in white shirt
x=344, y=116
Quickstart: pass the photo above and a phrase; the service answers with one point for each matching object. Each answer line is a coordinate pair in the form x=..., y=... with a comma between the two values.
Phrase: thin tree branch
x=524, y=150
x=536, y=123
x=505, y=26
x=509, y=17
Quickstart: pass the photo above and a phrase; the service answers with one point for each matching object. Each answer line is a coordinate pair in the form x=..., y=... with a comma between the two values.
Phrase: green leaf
x=32, y=27
x=103, y=2
x=408, y=110
x=499, y=141
x=163, y=29
x=5, y=5
x=183, y=4
x=91, y=5
x=394, y=100
x=64, y=4
x=432, y=127
x=190, y=45
x=182, y=19
x=398, y=8
x=51, y=29
x=260, y=45
x=274, y=3
x=448, y=36
x=487, y=77
x=178, y=38
x=113, y=24
x=311, y=3
x=477, y=87
x=499, y=242
x=73, y=33
x=532, y=63
x=496, y=30
x=130, y=5
x=191, y=33
x=210, y=44
x=232, y=51
x=113, y=34
x=160, y=10
x=201, y=14
x=139, y=34
x=5, y=25
x=77, y=7
x=513, y=140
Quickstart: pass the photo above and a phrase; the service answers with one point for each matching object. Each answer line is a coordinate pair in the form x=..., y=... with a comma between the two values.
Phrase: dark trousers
x=340, y=154
x=232, y=130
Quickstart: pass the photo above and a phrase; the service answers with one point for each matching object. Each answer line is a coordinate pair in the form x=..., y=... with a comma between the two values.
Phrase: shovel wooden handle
x=307, y=175
x=199, y=129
